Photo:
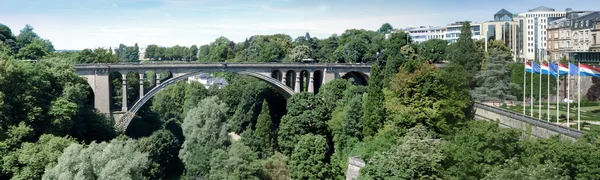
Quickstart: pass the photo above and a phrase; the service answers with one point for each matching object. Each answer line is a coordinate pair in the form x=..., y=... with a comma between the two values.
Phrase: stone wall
x=530, y=127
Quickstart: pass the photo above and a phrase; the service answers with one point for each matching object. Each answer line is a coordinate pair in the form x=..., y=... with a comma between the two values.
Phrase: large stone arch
x=359, y=78
x=123, y=123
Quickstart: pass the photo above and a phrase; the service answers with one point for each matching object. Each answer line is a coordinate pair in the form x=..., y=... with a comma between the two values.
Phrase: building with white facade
x=207, y=80
x=533, y=35
x=424, y=33
x=453, y=31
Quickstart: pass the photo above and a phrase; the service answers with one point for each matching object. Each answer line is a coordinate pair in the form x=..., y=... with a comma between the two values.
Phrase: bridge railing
x=527, y=119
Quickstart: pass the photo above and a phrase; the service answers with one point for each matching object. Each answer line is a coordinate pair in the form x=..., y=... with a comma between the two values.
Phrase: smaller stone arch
x=115, y=87
x=276, y=74
x=304, y=80
x=290, y=80
x=317, y=81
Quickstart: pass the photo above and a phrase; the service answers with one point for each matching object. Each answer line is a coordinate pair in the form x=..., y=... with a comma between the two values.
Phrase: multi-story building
x=532, y=31
x=424, y=33
x=596, y=37
x=573, y=33
x=453, y=31
x=504, y=29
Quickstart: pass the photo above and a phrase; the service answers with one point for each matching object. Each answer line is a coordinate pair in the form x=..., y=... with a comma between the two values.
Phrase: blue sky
x=78, y=24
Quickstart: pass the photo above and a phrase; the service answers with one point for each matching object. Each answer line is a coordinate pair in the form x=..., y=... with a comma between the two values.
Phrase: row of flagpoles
x=557, y=70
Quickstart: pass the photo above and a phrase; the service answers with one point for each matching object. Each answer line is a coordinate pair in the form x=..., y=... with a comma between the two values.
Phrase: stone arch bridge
x=287, y=78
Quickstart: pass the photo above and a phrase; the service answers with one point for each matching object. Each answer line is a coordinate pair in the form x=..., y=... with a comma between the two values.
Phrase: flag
x=564, y=70
x=536, y=68
x=545, y=69
x=528, y=67
x=586, y=70
x=573, y=69
x=553, y=69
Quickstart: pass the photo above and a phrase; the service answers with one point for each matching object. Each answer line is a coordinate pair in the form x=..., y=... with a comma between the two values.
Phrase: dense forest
x=413, y=120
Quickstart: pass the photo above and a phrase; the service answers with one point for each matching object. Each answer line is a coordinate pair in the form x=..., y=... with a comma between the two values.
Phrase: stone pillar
x=124, y=95
x=354, y=166
x=284, y=78
x=311, y=82
x=141, y=85
x=297, y=86
x=157, y=78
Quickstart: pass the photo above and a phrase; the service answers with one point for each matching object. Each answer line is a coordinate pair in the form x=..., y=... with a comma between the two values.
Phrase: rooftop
x=503, y=12
x=542, y=9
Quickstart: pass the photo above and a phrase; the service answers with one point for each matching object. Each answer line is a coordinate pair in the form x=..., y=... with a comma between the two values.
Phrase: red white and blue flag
x=528, y=67
x=585, y=70
x=563, y=69
x=545, y=69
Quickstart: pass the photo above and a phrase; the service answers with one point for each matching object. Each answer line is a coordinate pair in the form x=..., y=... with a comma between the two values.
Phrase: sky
x=79, y=24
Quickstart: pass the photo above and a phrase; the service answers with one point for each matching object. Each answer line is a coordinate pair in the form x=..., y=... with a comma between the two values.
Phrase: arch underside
x=128, y=116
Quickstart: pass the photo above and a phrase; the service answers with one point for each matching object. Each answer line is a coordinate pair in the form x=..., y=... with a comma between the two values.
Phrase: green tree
x=512, y=169
x=26, y=36
x=308, y=160
x=151, y=52
x=262, y=140
x=8, y=38
x=374, y=111
x=351, y=125
x=118, y=159
x=477, y=149
x=417, y=157
x=240, y=162
x=169, y=103
x=434, y=98
x=193, y=52
x=433, y=50
x=304, y=116
x=276, y=168
x=300, y=52
x=332, y=92
x=386, y=28
x=494, y=81
x=465, y=53
x=392, y=66
x=205, y=130
x=34, y=51
x=162, y=148
x=326, y=48
x=31, y=159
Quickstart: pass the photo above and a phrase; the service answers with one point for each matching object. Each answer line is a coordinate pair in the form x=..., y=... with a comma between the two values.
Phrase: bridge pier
x=141, y=85
x=311, y=82
x=297, y=85
x=157, y=79
x=124, y=95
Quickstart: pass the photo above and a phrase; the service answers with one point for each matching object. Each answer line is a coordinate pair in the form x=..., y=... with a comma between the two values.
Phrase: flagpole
x=548, y=97
x=540, y=95
x=579, y=96
x=524, y=87
x=531, y=88
x=557, y=93
x=568, y=95
x=531, y=95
